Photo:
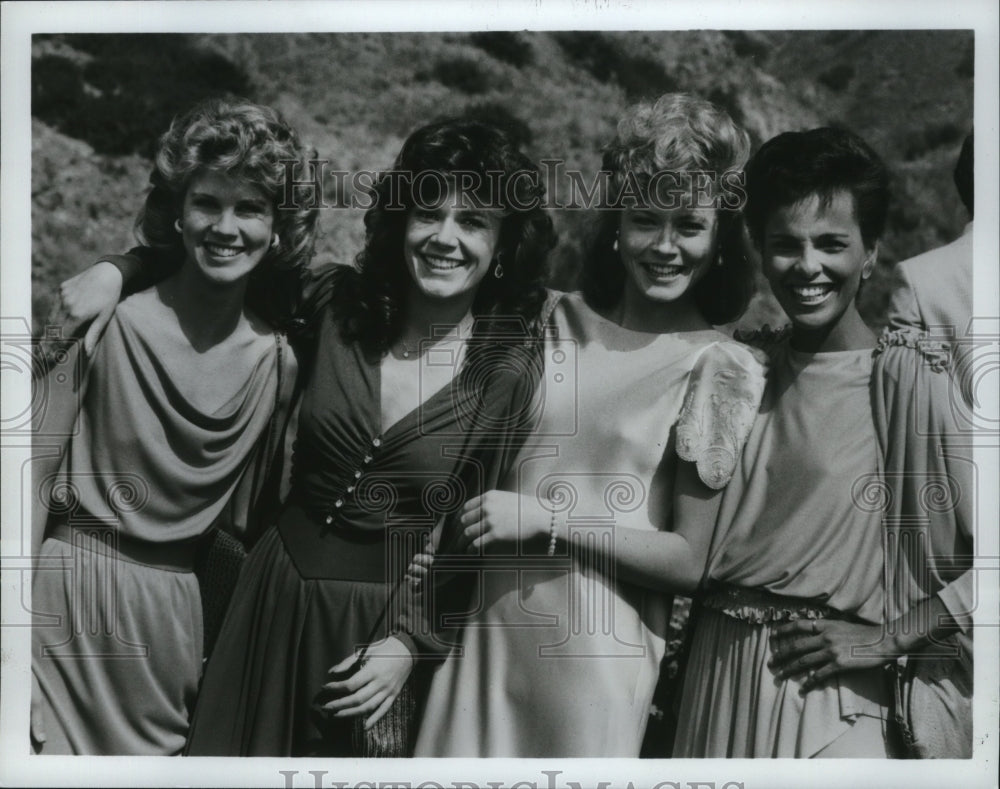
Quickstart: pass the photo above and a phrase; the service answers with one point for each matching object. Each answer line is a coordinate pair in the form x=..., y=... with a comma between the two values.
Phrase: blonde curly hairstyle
x=688, y=138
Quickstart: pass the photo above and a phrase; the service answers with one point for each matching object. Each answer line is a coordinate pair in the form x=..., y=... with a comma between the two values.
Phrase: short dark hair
x=373, y=314
x=965, y=174
x=794, y=165
x=680, y=134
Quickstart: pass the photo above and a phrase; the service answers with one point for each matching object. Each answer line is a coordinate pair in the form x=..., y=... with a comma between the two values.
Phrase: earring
x=177, y=226
x=498, y=270
x=275, y=241
x=614, y=246
x=718, y=262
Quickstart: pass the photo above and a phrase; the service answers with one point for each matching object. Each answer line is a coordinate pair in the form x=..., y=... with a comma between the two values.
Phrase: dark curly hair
x=248, y=141
x=684, y=136
x=794, y=165
x=370, y=312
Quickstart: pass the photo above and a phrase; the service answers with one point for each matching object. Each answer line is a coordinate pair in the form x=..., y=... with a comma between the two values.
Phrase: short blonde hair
x=682, y=135
x=677, y=133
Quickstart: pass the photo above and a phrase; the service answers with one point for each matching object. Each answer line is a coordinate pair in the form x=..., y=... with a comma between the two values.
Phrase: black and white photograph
x=533, y=394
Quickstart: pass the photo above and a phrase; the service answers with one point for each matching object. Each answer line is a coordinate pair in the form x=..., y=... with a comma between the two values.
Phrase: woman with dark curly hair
x=172, y=433
x=610, y=503
x=416, y=373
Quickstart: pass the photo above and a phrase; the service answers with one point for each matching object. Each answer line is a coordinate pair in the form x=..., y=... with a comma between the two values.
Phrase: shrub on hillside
x=967, y=65
x=748, y=44
x=935, y=135
x=124, y=97
x=500, y=115
x=506, y=46
x=838, y=77
x=638, y=75
x=461, y=73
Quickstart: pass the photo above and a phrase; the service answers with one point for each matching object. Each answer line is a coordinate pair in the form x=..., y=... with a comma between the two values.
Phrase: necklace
x=461, y=330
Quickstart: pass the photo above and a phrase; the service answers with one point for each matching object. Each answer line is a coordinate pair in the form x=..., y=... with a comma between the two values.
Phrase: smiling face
x=449, y=249
x=665, y=252
x=226, y=224
x=814, y=258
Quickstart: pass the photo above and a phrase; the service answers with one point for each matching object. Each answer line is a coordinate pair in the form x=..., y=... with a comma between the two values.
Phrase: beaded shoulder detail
x=935, y=352
x=720, y=405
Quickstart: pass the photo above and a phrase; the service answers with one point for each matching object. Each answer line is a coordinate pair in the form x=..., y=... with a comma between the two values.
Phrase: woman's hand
x=91, y=295
x=419, y=569
x=500, y=517
x=375, y=686
x=821, y=648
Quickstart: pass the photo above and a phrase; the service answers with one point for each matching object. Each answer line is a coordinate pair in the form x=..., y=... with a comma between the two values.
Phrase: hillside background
x=99, y=102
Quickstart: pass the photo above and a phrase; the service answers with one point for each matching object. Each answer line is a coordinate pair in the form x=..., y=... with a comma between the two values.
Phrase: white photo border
x=21, y=20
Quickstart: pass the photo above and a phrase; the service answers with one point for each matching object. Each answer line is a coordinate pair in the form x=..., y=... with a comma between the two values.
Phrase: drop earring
x=177, y=226
x=614, y=246
x=498, y=270
x=275, y=241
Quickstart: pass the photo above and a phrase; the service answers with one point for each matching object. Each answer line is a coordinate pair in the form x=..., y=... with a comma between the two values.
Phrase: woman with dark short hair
x=787, y=654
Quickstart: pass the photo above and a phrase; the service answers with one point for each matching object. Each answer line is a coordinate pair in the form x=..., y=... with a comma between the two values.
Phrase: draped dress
x=556, y=656
x=798, y=536
x=117, y=628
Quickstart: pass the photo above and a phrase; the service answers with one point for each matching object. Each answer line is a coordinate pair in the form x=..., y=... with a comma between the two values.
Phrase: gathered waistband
x=177, y=556
x=332, y=552
x=760, y=606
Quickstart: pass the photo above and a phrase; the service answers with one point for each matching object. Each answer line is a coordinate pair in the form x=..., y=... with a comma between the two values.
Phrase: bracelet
x=552, y=531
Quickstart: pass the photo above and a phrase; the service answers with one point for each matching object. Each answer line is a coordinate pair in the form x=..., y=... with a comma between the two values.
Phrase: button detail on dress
x=357, y=474
x=368, y=459
x=329, y=519
x=350, y=489
x=338, y=503
x=376, y=442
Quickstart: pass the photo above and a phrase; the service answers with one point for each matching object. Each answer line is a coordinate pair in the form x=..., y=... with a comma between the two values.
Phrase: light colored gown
x=799, y=535
x=558, y=657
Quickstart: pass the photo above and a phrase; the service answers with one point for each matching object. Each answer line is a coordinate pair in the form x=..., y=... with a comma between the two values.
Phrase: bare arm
x=669, y=561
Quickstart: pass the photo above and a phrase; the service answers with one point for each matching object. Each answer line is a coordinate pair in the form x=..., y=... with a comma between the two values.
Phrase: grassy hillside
x=100, y=101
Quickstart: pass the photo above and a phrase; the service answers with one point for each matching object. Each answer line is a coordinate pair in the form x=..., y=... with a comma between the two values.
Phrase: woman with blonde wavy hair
x=174, y=431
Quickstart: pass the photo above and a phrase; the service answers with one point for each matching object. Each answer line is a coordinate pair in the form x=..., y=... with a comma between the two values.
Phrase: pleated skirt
x=733, y=706
x=116, y=652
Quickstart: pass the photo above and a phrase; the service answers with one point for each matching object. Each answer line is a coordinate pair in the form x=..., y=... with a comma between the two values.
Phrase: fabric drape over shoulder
x=145, y=465
x=928, y=494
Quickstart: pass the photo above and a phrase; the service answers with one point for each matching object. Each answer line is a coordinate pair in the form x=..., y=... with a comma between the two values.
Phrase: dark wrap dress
x=364, y=496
